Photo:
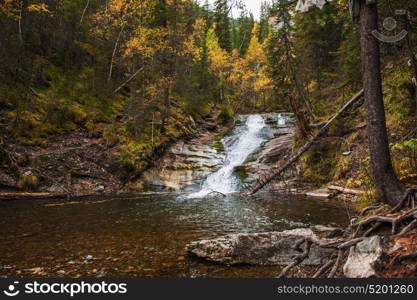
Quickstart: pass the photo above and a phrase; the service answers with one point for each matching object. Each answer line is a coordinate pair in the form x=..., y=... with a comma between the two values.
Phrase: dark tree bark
x=165, y=111
x=384, y=178
x=413, y=58
x=302, y=123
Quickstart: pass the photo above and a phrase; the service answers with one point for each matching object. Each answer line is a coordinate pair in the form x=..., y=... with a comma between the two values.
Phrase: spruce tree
x=221, y=18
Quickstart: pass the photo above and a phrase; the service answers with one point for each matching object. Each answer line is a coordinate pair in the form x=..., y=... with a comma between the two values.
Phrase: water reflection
x=143, y=236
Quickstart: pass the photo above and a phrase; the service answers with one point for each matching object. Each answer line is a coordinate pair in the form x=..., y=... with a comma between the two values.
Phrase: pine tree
x=222, y=21
x=244, y=26
x=264, y=22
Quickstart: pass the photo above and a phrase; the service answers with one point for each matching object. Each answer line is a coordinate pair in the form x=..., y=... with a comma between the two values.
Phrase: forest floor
x=78, y=163
x=74, y=163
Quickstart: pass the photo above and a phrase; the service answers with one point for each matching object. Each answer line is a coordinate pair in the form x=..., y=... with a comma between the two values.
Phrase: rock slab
x=364, y=255
x=269, y=248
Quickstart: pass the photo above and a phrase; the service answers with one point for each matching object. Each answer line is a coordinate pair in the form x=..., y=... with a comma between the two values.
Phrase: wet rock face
x=184, y=163
x=270, y=248
x=272, y=155
x=187, y=162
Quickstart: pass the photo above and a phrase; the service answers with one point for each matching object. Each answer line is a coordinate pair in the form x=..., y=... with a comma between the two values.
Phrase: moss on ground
x=241, y=173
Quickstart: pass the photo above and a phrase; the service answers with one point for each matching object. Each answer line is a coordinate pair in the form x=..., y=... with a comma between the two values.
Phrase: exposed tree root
x=336, y=264
x=384, y=219
x=297, y=259
x=403, y=222
x=372, y=229
x=408, y=228
x=323, y=269
x=368, y=209
x=350, y=243
x=407, y=256
x=408, y=200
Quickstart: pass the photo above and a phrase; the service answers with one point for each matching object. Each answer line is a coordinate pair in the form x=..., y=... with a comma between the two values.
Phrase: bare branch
x=114, y=51
x=127, y=81
x=84, y=11
x=336, y=264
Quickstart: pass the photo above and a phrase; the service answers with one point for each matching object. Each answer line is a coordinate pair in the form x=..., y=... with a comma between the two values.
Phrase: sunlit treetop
x=12, y=8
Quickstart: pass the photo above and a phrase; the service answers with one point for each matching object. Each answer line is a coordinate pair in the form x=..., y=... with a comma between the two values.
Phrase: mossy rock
x=226, y=115
x=218, y=145
x=28, y=181
x=241, y=172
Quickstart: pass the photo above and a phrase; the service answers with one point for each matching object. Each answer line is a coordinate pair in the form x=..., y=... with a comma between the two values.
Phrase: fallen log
x=261, y=184
x=30, y=196
x=345, y=190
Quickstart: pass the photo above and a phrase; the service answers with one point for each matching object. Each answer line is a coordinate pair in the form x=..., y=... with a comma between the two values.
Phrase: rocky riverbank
x=380, y=255
x=82, y=162
x=75, y=163
x=186, y=163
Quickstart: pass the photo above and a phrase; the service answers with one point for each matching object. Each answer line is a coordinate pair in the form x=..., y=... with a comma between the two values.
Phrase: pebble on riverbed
x=89, y=258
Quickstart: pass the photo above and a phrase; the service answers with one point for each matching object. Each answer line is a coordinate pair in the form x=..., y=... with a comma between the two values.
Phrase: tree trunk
x=302, y=123
x=384, y=178
x=165, y=112
x=413, y=58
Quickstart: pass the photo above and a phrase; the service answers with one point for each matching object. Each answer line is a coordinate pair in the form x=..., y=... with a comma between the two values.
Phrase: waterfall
x=248, y=139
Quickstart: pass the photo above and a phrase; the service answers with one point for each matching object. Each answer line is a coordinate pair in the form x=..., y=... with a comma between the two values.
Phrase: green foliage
x=312, y=45
x=223, y=28
x=401, y=109
x=137, y=73
x=140, y=73
x=367, y=199
x=28, y=181
x=66, y=104
x=405, y=159
x=226, y=115
x=218, y=145
x=241, y=173
x=138, y=151
x=264, y=22
x=242, y=32
x=320, y=162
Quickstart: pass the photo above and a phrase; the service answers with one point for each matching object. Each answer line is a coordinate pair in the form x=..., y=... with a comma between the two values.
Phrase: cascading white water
x=248, y=141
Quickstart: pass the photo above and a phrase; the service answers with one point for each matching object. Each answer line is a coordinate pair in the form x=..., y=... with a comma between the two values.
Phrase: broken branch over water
x=261, y=183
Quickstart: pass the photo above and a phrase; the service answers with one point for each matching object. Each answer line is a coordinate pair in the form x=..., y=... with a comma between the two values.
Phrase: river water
x=247, y=139
x=145, y=235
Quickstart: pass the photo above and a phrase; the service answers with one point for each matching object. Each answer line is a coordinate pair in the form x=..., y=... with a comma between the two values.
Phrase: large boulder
x=364, y=256
x=269, y=248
